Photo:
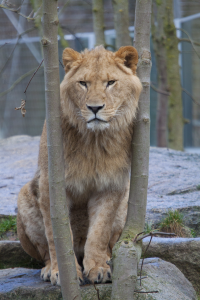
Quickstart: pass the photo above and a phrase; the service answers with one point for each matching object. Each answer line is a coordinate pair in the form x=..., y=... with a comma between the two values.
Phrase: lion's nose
x=95, y=109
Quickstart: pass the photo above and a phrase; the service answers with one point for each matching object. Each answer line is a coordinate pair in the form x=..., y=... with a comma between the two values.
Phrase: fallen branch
x=153, y=234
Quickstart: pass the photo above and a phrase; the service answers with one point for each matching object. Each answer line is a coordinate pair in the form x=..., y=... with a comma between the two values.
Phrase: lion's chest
x=95, y=167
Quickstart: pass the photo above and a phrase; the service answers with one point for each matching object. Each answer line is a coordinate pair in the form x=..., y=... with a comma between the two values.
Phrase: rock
x=174, y=179
x=13, y=255
x=25, y=284
x=183, y=253
x=18, y=160
x=165, y=278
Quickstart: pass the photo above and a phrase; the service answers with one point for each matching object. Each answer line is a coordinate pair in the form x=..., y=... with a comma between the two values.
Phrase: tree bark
x=170, y=109
x=125, y=274
x=159, y=40
x=175, y=109
x=58, y=202
x=121, y=22
x=98, y=21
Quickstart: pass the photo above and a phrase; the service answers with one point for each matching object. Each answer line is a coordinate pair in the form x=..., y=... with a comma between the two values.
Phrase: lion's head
x=100, y=89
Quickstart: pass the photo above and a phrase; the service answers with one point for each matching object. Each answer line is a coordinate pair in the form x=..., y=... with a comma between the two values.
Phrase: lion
x=99, y=98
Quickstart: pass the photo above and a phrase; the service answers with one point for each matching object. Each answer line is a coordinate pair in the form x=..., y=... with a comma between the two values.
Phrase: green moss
x=198, y=187
x=158, y=2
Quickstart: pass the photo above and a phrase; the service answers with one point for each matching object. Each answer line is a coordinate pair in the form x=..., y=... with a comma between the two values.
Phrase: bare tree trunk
x=98, y=21
x=125, y=274
x=159, y=40
x=58, y=202
x=121, y=22
x=175, y=109
x=170, y=109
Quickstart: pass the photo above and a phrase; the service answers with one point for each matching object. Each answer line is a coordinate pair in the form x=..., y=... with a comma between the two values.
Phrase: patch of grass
x=148, y=227
x=7, y=224
x=174, y=223
x=193, y=233
x=198, y=187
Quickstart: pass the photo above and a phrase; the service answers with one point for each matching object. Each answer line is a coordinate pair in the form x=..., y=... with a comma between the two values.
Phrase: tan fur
x=97, y=162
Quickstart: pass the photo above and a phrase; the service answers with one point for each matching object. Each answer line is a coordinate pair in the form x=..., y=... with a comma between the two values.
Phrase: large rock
x=182, y=252
x=12, y=255
x=174, y=179
x=163, y=277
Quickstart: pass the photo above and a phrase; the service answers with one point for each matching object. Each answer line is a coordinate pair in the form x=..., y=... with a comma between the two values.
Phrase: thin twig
x=60, y=12
x=190, y=40
x=3, y=45
x=16, y=11
x=17, y=82
x=194, y=100
x=19, y=36
x=187, y=40
x=135, y=238
x=33, y=76
x=143, y=260
x=61, y=63
x=70, y=31
x=144, y=277
x=159, y=91
x=97, y=290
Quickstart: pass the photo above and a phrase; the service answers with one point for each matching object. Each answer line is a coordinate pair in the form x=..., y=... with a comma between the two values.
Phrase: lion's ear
x=69, y=57
x=129, y=56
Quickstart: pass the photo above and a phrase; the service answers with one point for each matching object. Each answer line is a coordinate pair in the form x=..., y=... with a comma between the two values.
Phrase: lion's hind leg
x=30, y=229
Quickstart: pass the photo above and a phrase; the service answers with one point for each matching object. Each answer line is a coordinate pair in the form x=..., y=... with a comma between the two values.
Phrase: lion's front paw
x=46, y=272
x=96, y=271
x=55, y=278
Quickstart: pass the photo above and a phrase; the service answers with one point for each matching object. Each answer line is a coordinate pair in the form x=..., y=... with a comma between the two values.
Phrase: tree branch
x=17, y=12
x=18, y=38
x=17, y=82
x=194, y=100
x=61, y=11
x=159, y=91
x=191, y=41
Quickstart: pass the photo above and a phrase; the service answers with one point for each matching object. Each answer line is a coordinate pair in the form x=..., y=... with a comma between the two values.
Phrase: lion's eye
x=111, y=82
x=83, y=83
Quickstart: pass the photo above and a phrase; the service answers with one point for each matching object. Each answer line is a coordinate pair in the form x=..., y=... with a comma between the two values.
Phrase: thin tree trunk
x=170, y=109
x=159, y=41
x=58, y=202
x=98, y=21
x=125, y=274
x=121, y=22
x=175, y=109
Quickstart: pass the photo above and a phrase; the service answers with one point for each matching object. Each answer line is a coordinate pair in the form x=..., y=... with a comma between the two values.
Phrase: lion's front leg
x=102, y=211
x=50, y=271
